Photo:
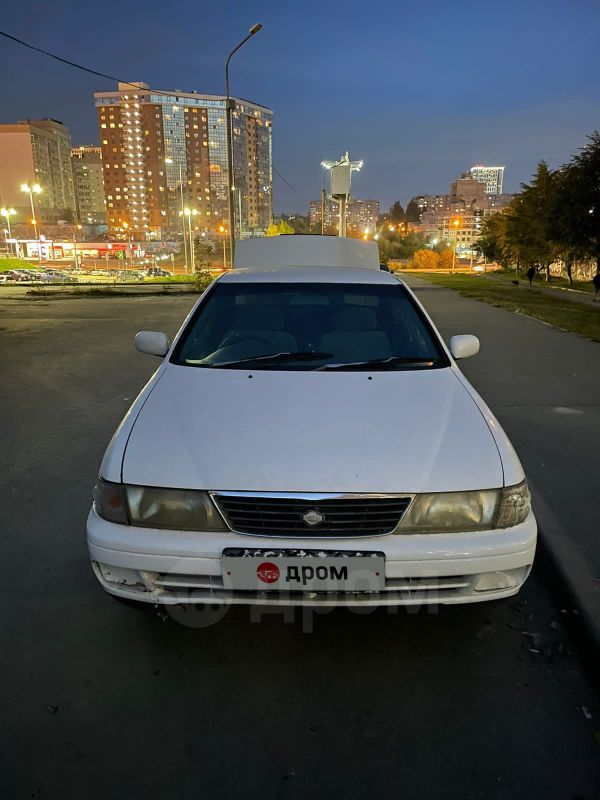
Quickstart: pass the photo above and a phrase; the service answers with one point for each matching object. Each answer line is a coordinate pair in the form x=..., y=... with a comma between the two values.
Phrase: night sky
x=419, y=90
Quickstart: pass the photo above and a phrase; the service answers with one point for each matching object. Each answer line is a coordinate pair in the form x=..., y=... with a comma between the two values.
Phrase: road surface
x=101, y=701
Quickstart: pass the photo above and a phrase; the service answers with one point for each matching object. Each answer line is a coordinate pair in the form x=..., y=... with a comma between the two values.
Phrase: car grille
x=284, y=515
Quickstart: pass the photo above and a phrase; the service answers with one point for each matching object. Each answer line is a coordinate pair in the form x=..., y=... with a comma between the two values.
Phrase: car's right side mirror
x=154, y=343
x=464, y=345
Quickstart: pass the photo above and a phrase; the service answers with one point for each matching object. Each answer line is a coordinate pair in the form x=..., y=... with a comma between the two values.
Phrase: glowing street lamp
x=7, y=213
x=189, y=213
x=223, y=231
x=456, y=223
x=181, y=214
x=31, y=190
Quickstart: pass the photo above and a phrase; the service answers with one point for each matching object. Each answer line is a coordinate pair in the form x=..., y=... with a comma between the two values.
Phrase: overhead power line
x=75, y=65
x=66, y=60
x=280, y=176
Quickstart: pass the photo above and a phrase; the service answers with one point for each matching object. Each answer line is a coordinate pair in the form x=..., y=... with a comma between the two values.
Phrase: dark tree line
x=556, y=217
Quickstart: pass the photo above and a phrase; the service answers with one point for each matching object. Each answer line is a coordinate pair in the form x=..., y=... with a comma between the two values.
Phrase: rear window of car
x=306, y=326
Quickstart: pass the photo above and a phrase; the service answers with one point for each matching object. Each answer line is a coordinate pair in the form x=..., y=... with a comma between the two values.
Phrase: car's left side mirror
x=464, y=345
x=154, y=343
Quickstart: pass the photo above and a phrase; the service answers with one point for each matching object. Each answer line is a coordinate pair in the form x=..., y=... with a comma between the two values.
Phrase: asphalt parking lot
x=98, y=700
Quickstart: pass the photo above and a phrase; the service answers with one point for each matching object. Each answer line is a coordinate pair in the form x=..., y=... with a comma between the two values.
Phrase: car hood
x=392, y=431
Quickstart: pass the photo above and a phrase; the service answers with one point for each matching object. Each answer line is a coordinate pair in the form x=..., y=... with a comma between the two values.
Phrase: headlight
x=457, y=512
x=445, y=512
x=148, y=507
x=174, y=509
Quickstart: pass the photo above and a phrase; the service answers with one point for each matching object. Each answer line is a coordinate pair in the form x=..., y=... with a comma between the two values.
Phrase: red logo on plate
x=268, y=572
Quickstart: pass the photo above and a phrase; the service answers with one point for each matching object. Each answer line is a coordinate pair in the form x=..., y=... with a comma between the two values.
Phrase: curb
x=576, y=588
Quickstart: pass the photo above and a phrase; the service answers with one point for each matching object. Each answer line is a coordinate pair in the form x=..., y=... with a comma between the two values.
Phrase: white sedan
x=309, y=439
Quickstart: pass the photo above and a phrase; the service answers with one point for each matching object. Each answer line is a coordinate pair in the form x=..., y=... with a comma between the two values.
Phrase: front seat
x=354, y=336
x=264, y=323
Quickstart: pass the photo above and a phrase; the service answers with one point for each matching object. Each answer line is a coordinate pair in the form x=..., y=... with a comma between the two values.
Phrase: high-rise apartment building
x=166, y=150
x=360, y=214
x=491, y=177
x=88, y=181
x=37, y=151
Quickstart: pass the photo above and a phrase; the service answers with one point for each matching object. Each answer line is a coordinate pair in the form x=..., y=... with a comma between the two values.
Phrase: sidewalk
x=544, y=386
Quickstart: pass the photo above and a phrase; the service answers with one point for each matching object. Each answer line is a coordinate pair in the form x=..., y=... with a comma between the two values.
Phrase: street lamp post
x=223, y=230
x=230, y=183
x=189, y=213
x=75, y=229
x=31, y=190
x=7, y=213
x=181, y=213
x=456, y=224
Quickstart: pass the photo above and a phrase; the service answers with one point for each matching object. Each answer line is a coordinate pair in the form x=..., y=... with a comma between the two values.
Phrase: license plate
x=278, y=570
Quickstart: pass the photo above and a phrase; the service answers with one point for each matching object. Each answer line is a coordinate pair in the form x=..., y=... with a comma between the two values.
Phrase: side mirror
x=384, y=267
x=464, y=345
x=154, y=343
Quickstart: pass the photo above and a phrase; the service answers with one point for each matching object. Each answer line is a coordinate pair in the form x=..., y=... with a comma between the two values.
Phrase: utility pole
x=341, y=173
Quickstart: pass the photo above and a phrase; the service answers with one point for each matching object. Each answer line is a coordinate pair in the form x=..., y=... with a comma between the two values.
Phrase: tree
x=412, y=213
x=396, y=214
x=299, y=223
x=445, y=259
x=493, y=242
x=425, y=259
x=530, y=220
x=576, y=211
x=279, y=228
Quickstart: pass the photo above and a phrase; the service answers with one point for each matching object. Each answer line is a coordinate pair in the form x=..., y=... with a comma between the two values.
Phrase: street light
x=253, y=30
x=75, y=229
x=189, y=213
x=223, y=230
x=7, y=213
x=181, y=214
x=31, y=190
x=456, y=223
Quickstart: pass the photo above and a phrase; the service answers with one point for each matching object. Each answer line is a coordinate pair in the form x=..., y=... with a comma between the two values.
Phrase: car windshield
x=309, y=326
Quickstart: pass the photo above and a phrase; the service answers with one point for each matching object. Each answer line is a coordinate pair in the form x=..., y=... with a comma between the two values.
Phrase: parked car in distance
x=129, y=275
x=158, y=272
x=54, y=276
x=342, y=459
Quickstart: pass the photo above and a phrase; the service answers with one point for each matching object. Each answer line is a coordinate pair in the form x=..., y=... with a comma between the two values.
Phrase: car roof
x=309, y=275
x=289, y=251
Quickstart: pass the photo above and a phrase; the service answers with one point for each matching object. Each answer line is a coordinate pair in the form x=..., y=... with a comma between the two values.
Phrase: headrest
x=355, y=318
x=259, y=318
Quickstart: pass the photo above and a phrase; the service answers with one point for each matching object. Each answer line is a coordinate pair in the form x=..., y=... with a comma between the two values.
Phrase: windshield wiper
x=383, y=363
x=274, y=358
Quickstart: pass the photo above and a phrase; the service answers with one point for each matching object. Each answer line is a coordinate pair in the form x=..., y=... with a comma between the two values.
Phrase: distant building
x=463, y=227
x=491, y=177
x=361, y=214
x=457, y=217
x=37, y=151
x=166, y=149
x=88, y=181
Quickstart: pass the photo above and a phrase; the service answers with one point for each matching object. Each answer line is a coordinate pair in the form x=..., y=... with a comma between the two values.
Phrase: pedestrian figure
x=596, y=282
x=531, y=275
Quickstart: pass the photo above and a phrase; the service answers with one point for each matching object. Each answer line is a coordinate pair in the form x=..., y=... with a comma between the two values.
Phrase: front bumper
x=171, y=567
